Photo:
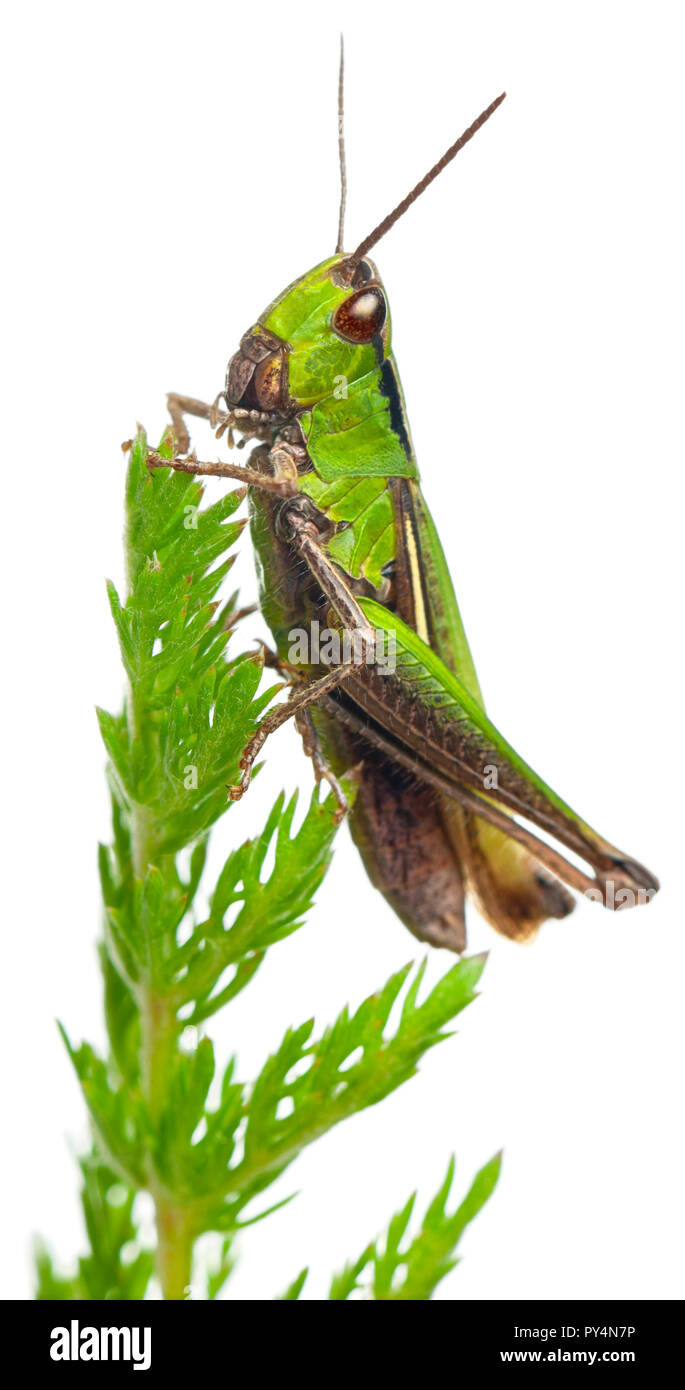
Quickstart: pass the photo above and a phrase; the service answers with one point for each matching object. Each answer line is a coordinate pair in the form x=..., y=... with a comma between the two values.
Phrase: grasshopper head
x=332, y=326
x=329, y=327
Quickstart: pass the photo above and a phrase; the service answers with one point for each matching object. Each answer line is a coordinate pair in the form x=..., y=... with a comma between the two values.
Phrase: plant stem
x=175, y=1237
x=158, y=1037
x=174, y=1221
x=158, y=1030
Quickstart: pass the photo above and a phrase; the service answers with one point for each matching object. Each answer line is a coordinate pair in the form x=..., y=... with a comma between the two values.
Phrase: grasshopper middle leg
x=294, y=707
x=303, y=536
x=322, y=772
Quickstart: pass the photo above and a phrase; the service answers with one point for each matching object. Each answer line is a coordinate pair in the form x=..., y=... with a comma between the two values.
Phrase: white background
x=168, y=169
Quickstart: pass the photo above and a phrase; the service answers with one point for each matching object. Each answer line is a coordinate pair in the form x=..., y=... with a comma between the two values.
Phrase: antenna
x=421, y=186
x=341, y=151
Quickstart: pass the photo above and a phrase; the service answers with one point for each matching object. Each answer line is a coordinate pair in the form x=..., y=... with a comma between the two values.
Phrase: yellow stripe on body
x=420, y=615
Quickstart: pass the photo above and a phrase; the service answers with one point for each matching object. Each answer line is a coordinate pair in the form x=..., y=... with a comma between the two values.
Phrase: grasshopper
x=344, y=538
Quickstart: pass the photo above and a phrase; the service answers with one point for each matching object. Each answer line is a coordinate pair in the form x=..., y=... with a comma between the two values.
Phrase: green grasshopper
x=344, y=538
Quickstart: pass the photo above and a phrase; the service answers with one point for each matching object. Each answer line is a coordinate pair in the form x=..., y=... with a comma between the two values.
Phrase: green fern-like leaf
x=169, y=1118
x=399, y=1267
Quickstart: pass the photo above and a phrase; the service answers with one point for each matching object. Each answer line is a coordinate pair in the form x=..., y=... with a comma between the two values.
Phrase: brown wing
x=397, y=825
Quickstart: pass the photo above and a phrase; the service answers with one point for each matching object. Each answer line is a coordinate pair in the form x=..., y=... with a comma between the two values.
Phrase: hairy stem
x=158, y=1031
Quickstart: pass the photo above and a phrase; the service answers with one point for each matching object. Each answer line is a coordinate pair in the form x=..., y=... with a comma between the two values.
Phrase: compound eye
x=361, y=317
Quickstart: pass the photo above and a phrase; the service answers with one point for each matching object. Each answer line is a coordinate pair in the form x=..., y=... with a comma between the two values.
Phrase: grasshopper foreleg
x=281, y=479
x=250, y=423
x=248, y=476
x=179, y=406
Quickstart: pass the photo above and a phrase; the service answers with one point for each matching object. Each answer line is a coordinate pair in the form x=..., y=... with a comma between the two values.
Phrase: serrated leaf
x=405, y=1268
